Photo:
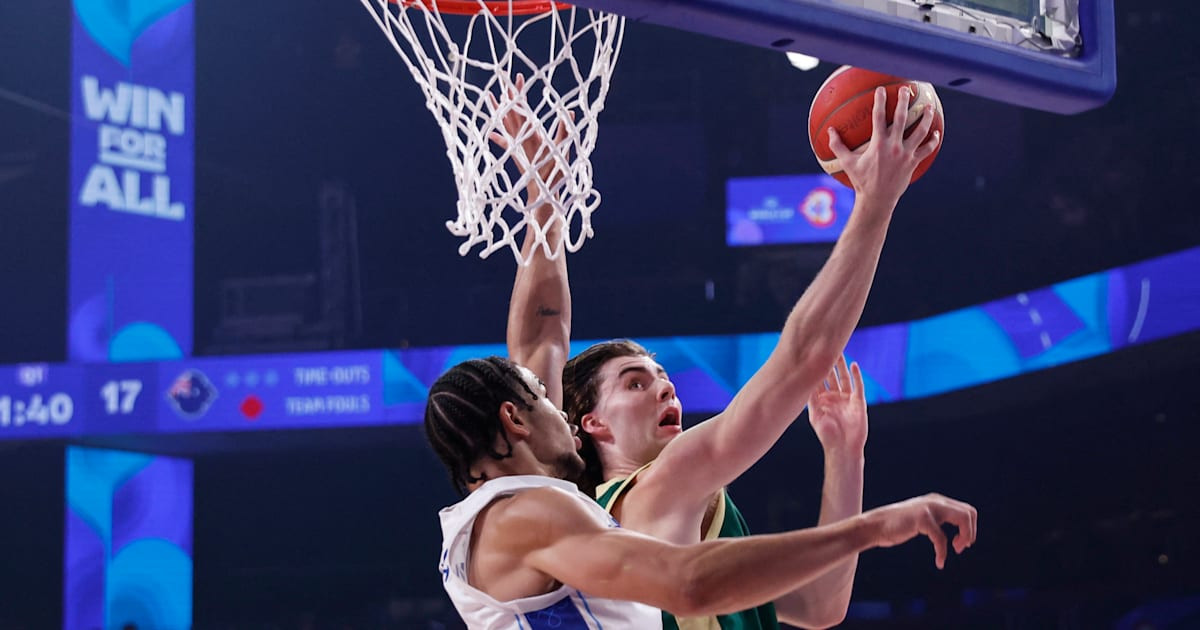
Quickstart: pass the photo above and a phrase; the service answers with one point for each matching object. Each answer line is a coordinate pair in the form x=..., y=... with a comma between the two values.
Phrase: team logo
x=191, y=394
x=818, y=208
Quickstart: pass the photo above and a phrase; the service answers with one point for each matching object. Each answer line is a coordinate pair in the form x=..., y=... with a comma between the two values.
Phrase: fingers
x=837, y=146
x=934, y=532
x=922, y=131
x=879, y=115
x=562, y=134
x=974, y=526
x=900, y=117
x=857, y=379
x=966, y=536
x=928, y=147
x=843, y=374
x=498, y=139
x=512, y=119
x=961, y=516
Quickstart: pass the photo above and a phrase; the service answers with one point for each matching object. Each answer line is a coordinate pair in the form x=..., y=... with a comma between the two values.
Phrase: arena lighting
x=802, y=61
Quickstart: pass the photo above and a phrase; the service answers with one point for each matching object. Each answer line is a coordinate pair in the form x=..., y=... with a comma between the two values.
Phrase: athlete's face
x=636, y=404
x=553, y=438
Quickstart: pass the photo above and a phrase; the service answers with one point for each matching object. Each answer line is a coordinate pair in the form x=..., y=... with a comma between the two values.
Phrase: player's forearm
x=823, y=602
x=728, y=575
x=823, y=319
x=813, y=338
x=539, y=313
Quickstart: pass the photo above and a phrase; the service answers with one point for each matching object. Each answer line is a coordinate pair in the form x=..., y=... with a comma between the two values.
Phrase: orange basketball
x=844, y=102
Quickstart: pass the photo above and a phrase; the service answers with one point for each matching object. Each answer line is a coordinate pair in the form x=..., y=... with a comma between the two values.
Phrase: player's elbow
x=826, y=619
x=807, y=358
x=817, y=616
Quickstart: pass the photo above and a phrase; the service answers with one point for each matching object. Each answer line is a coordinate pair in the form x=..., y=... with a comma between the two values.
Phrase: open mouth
x=670, y=418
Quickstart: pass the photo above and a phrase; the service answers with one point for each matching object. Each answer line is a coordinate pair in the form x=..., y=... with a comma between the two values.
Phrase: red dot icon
x=251, y=407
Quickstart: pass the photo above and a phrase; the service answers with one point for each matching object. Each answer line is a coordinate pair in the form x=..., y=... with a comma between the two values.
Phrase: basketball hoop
x=547, y=61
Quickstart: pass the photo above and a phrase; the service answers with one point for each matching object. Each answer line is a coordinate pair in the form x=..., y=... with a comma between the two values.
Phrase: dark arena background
x=320, y=190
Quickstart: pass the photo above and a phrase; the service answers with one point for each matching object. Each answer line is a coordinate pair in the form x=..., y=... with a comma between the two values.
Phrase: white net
x=517, y=97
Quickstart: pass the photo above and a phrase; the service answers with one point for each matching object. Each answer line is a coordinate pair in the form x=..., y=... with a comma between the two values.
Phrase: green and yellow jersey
x=727, y=522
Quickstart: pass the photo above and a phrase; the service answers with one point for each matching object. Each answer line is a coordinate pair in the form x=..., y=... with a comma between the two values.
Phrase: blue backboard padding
x=885, y=43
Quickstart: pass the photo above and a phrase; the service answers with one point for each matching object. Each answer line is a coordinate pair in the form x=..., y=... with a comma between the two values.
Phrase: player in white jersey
x=525, y=550
x=563, y=607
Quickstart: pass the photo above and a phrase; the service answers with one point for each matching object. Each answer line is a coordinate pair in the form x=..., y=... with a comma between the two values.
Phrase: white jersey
x=564, y=608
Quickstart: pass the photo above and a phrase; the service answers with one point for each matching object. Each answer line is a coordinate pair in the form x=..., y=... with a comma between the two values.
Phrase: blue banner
x=127, y=553
x=1034, y=330
x=130, y=295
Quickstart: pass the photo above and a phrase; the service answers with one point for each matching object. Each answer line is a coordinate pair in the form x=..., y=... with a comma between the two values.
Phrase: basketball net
x=467, y=65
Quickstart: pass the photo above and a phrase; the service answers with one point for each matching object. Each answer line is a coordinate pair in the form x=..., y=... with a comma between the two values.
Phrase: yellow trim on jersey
x=714, y=528
x=714, y=531
x=625, y=483
x=698, y=623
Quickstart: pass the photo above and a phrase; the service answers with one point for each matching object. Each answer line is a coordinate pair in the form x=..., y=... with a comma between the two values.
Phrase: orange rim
x=496, y=7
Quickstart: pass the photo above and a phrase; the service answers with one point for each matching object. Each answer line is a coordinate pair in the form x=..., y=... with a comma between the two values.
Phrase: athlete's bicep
x=616, y=564
x=574, y=548
x=731, y=442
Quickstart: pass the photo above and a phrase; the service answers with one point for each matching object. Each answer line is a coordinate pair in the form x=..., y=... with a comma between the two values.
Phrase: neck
x=616, y=466
x=520, y=463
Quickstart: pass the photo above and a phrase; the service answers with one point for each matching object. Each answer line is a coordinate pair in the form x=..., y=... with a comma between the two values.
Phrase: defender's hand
x=900, y=522
x=837, y=410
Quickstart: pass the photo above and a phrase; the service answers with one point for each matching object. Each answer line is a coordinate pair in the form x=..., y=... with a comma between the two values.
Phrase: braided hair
x=581, y=392
x=462, y=415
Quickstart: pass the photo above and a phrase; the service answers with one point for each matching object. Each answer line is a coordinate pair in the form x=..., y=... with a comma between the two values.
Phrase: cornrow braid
x=581, y=392
x=462, y=414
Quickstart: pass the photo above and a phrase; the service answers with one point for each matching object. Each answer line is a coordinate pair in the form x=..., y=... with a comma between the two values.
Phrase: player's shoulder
x=659, y=478
x=537, y=510
x=660, y=489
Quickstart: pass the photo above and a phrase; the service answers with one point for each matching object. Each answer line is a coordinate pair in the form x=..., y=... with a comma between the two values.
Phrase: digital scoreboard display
x=785, y=209
x=222, y=394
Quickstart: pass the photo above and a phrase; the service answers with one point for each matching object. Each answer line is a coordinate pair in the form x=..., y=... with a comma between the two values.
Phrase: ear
x=595, y=426
x=511, y=422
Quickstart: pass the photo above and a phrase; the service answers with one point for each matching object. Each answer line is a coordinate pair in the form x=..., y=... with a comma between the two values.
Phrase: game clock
x=40, y=409
x=38, y=399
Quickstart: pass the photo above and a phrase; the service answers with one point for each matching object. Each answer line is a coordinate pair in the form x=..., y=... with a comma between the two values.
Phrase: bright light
x=802, y=61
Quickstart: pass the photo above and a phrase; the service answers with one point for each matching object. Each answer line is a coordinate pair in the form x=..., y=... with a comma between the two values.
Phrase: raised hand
x=884, y=165
x=518, y=123
x=900, y=522
x=837, y=410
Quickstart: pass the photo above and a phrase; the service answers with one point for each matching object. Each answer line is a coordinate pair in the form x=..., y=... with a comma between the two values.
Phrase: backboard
x=1052, y=55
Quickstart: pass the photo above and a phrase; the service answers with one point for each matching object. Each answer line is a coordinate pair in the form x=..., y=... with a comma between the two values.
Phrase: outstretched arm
x=816, y=330
x=553, y=534
x=837, y=411
x=539, y=312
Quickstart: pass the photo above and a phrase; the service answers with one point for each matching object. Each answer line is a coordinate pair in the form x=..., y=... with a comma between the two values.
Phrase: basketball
x=844, y=102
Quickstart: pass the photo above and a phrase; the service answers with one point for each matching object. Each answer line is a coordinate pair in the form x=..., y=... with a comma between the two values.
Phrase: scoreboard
x=42, y=400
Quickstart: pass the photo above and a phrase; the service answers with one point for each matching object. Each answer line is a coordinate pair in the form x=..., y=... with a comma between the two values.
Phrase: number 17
x=120, y=396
